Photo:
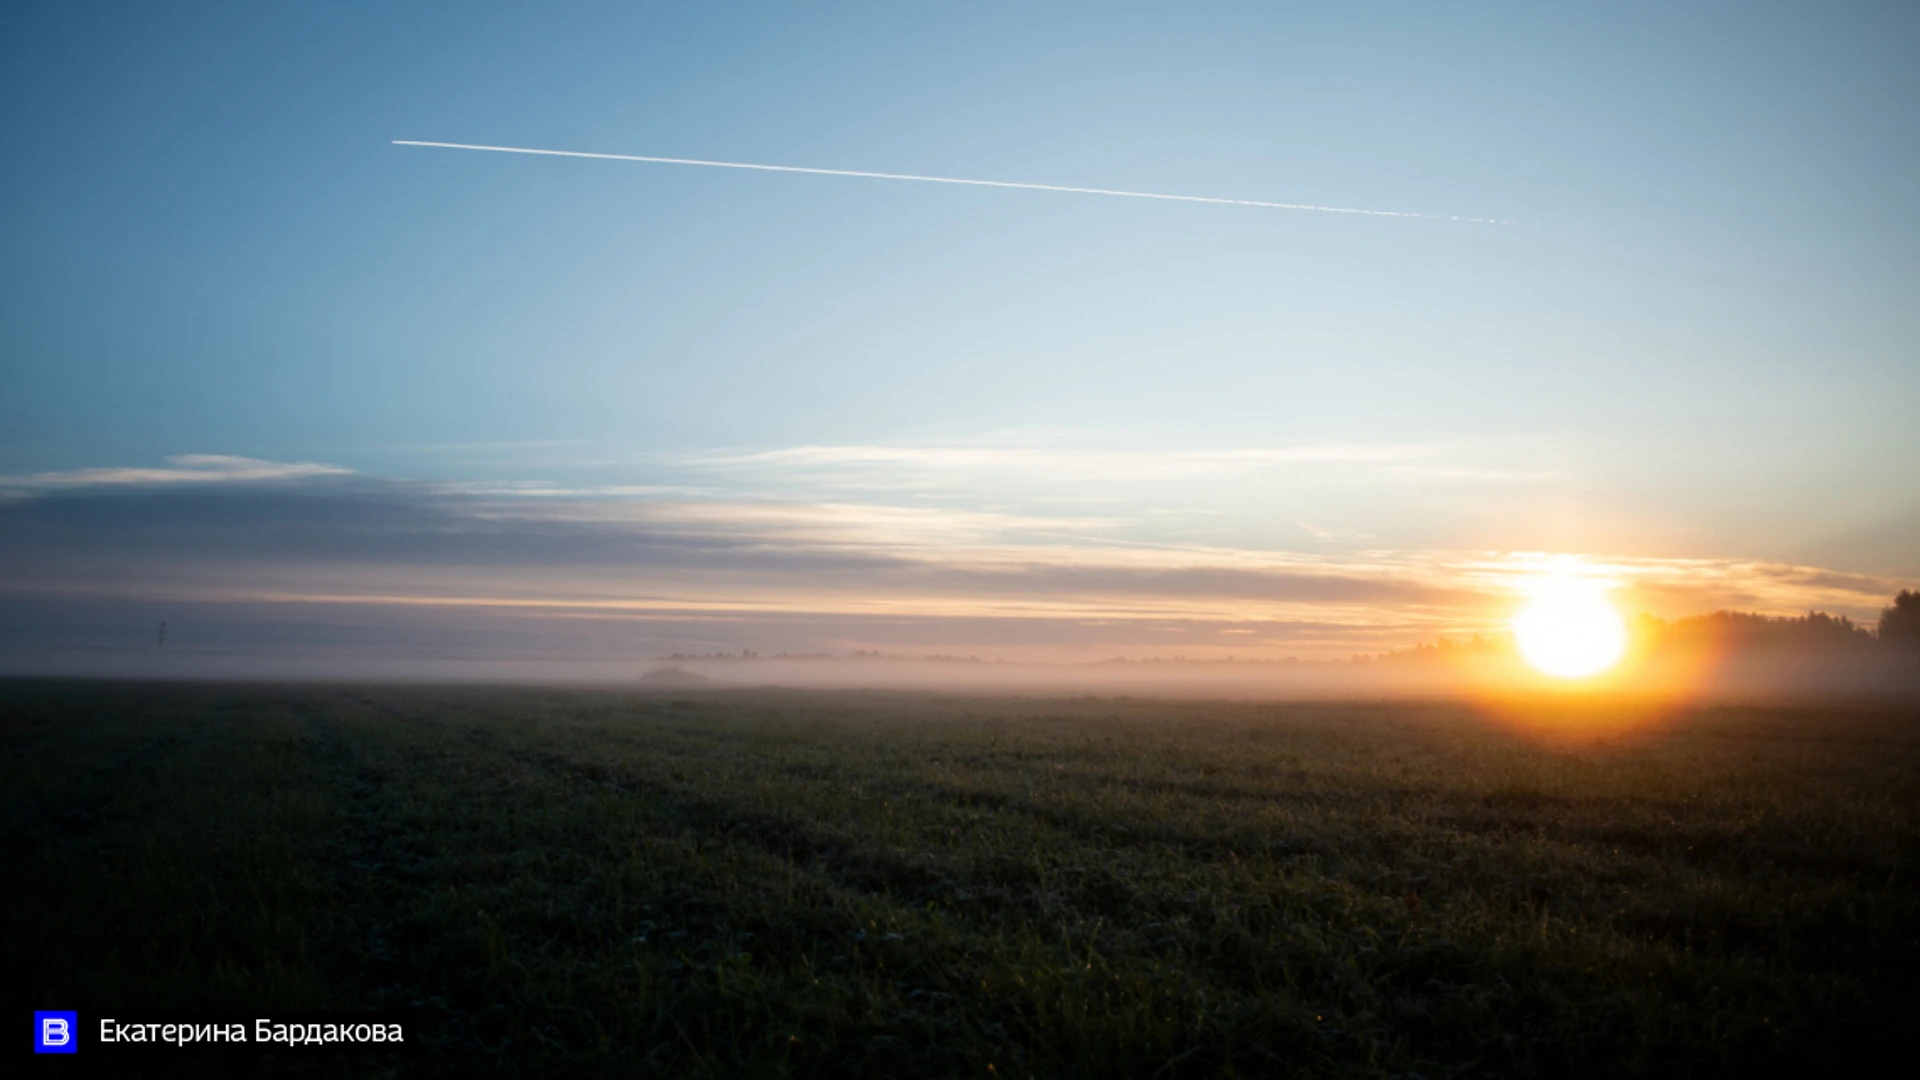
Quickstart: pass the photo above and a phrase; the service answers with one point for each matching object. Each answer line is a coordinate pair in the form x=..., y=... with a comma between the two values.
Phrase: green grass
x=785, y=883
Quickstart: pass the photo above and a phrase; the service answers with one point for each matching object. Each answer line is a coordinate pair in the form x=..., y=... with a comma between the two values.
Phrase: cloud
x=1478, y=476
x=309, y=551
x=383, y=544
x=1330, y=536
x=186, y=469
x=1050, y=463
x=468, y=447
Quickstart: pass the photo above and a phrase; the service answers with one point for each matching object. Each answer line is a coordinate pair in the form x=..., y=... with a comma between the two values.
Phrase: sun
x=1568, y=629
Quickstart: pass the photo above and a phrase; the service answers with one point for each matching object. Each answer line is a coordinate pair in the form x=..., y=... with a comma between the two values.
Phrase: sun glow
x=1568, y=629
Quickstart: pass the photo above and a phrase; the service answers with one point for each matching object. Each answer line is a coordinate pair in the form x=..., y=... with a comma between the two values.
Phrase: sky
x=273, y=378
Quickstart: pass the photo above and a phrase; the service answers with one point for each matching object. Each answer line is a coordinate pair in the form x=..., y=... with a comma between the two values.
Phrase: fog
x=1724, y=675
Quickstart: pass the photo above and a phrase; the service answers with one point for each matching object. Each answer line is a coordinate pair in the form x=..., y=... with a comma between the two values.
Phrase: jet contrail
x=953, y=180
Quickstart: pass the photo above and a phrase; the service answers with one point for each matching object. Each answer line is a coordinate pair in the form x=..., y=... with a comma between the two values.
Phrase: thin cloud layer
x=1058, y=461
x=1006, y=468
x=185, y=469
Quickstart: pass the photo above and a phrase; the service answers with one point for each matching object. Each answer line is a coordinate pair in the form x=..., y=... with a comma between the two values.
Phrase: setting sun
x=1569, y=630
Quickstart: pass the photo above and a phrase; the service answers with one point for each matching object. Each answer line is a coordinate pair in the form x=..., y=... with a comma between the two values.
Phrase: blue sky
x=1698, y=347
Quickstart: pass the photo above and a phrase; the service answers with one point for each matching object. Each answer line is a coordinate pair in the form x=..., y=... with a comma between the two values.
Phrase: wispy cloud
x=1053, y=463
x=1330, y=536
x=1474, y=476
x=545, y=489
x=1262, y=204
x=183, y=469
x=469, y=447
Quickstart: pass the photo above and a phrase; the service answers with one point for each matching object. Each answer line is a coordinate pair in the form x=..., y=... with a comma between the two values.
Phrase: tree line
x=1898, y=628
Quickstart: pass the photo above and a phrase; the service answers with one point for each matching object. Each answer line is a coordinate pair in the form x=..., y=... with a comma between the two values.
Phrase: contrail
x=955, y=180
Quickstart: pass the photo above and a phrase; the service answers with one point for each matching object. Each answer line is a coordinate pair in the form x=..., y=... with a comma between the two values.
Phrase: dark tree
x=1900, y=624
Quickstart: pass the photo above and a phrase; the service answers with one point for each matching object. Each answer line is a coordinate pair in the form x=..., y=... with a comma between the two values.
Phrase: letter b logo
x=53, y=1032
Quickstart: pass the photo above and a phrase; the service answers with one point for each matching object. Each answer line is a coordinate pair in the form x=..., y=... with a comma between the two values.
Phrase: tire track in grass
x=787, y=837
x=691, y=807
x=849, y=871
x=875, y=870
x=1078, y=824
x=1365, y=860
x=795, y=833
x=698, y=906
x=994, y=897
x=538, y=802
x=369, y=879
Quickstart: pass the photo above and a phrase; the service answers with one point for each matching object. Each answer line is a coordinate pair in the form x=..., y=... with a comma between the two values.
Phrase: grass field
x=783, y=883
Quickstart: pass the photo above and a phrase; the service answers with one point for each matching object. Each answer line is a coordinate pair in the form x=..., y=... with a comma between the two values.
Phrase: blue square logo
x=55, y=1032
